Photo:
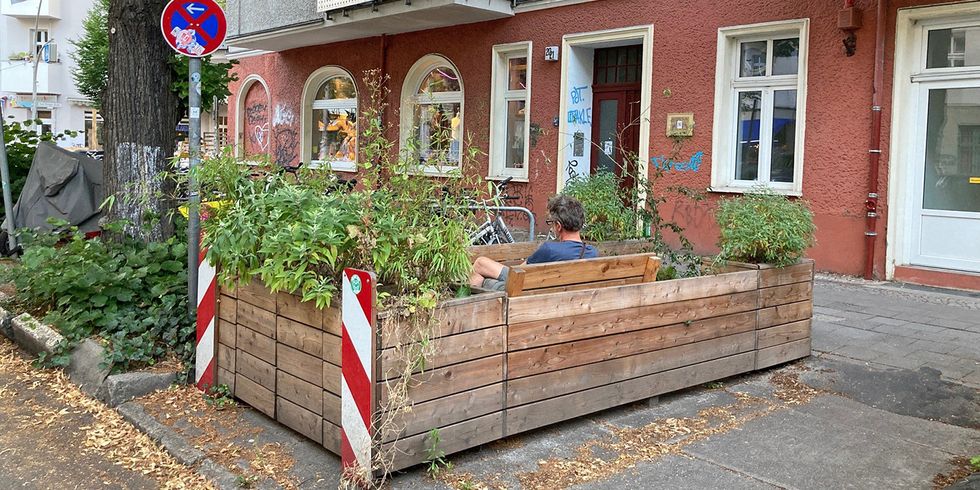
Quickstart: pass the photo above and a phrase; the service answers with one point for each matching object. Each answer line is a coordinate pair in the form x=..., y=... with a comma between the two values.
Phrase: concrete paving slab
x=795, y=449
x=678, y=472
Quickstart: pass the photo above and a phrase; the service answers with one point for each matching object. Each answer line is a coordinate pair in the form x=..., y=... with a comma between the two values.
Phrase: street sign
x=194, y=28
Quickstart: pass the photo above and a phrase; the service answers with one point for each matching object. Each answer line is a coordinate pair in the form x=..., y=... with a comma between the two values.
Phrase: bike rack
x=517, y=209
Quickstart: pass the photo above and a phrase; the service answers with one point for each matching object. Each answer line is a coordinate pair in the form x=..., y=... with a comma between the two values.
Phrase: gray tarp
x=61, y=185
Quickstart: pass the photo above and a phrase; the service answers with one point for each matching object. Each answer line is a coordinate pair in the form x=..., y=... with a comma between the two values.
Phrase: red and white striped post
x=207, y=294
x=357, y=383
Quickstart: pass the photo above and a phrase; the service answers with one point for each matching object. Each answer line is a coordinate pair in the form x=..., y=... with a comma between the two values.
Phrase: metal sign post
x=8, y=204
x=194, y=29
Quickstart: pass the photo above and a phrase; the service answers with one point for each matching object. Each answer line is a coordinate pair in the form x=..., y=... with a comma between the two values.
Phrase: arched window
x=330, y=120
x=432, y=114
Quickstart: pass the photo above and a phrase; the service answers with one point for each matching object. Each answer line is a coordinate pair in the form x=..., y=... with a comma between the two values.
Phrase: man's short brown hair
x=568, y=211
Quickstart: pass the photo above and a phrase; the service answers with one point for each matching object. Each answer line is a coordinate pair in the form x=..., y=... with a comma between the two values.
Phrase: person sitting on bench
x=565, y=219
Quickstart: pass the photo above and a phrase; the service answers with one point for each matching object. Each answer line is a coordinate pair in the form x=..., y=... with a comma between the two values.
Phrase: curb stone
x=118, y=389
x=33, y=335
x=87, y=368
x=5, y=317
x=177, y=446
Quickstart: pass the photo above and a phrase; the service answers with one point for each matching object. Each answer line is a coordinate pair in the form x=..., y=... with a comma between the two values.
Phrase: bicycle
x=493, y=230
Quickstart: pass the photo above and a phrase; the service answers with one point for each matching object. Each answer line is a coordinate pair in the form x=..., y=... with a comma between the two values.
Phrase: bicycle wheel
x=482, y=235
x=502, y=231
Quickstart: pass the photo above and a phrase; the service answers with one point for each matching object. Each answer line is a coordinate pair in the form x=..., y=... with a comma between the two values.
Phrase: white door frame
x=904, y=157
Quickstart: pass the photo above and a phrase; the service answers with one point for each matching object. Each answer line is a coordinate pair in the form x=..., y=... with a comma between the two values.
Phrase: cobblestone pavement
x=899, y=326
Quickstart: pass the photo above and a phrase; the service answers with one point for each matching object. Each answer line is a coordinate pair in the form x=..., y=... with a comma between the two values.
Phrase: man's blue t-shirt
x=560, y=251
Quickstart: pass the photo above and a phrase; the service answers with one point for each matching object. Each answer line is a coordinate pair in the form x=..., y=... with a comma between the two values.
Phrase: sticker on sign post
x=194, y=28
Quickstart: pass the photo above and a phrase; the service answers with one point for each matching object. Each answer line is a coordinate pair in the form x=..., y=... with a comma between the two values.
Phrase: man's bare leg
x=485, y=268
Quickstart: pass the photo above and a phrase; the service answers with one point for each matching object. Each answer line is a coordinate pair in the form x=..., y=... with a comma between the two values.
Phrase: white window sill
x=523, y=180
x=746, y=190
x=348, y=167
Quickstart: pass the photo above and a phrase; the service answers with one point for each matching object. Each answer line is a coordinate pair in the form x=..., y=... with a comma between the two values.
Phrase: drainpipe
x=874, y=151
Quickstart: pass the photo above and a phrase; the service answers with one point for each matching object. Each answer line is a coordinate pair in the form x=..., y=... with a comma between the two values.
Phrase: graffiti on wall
x=258, y=134
x=666, y=164
x=579, y=122
x=283, y=116
x=287, y=143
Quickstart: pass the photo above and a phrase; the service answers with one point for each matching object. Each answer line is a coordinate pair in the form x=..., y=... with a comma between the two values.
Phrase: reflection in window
x=952, y=150
x=953, y=48
x=438, y=119
x=509, y=130
x=749, y=126
x=334, y=129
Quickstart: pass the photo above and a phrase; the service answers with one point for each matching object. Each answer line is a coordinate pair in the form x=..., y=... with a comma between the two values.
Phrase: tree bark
x=141, y=115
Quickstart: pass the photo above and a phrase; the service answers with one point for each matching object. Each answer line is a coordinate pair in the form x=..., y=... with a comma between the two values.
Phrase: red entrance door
x=616, y=111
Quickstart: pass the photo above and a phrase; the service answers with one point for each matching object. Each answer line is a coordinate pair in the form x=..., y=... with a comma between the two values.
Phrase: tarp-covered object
x=61, y=185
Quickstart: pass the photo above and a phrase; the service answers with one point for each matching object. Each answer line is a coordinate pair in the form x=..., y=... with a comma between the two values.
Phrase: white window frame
x=727, y=86
x=36, y=46
x=410, y=97
x=310, y=89
x=500, y=95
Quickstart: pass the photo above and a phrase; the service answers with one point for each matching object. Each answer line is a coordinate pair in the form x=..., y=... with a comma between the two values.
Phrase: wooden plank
x=294, y=308
x=545, y=306
x=587, y=351
x=330, y=377
x=782, y=276
x=510, y=252
x=779, y=354
x=332, y=319
x=256, y=344
x=331, y=437
x=227, y=333
x=303, y=393
x=539, y=414
x=300, y=364
x=258, y=319
x=446, y=411
x=299, y=419
x=449, y=350
x=331, y=407
x=769, y=337
x=227, y=378
x=331, y=348
x=299, y=336
x=651, y=270
x=454, y=438
x=255, y=395
x=454, y=317
x=780, y=314
x=226, y=357
x=228, y=308
x=781, y=295
x=256, y=370
x=582, y=271
x=587, y=285
x=256, y=294
x=565, y=381
x=515, y=282
x=229, y=290
x=565, y=329
x=452, y=379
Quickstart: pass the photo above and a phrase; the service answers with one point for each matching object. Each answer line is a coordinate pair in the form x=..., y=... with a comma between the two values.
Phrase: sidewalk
x=894, y=325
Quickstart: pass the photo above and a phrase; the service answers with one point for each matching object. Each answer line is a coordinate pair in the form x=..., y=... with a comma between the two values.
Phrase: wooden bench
x=580, y=274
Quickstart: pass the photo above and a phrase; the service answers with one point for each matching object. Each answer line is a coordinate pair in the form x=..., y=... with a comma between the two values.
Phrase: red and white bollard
x=357, y=383
x=207, y=295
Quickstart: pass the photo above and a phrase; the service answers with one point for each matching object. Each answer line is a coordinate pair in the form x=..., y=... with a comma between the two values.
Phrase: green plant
x=219, y=396
x=22, y=139
x=764, y=227
x=246, y=481
x=608, y=215
x=435, y=457
x=130, y=295
x=975, y=462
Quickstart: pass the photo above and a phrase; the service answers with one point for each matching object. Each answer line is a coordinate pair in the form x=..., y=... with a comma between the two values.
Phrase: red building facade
x=770, y=92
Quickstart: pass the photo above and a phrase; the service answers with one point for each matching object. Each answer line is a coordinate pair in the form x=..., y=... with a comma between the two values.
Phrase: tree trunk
x=141, y=115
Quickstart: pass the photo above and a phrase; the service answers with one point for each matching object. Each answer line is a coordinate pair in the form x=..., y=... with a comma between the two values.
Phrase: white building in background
x=59, y=105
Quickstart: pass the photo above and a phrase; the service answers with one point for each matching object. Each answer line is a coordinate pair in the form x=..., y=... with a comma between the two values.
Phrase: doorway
x=616, y=111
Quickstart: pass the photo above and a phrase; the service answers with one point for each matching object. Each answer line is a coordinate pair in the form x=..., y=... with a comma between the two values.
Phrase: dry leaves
x=110, y=435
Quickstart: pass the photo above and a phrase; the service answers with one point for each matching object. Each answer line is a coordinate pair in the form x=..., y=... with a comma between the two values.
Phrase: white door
x=946, y=174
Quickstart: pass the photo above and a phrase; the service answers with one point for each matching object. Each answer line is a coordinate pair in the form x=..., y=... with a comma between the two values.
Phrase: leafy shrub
x=764, y=227
x=131, y=295
x=297, y=235
x=607, y=217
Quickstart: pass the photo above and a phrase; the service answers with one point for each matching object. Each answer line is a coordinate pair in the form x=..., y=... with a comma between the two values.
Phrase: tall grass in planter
x=764, y=227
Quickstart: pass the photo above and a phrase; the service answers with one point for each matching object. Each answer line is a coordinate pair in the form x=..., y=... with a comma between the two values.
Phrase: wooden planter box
x=508, y=365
